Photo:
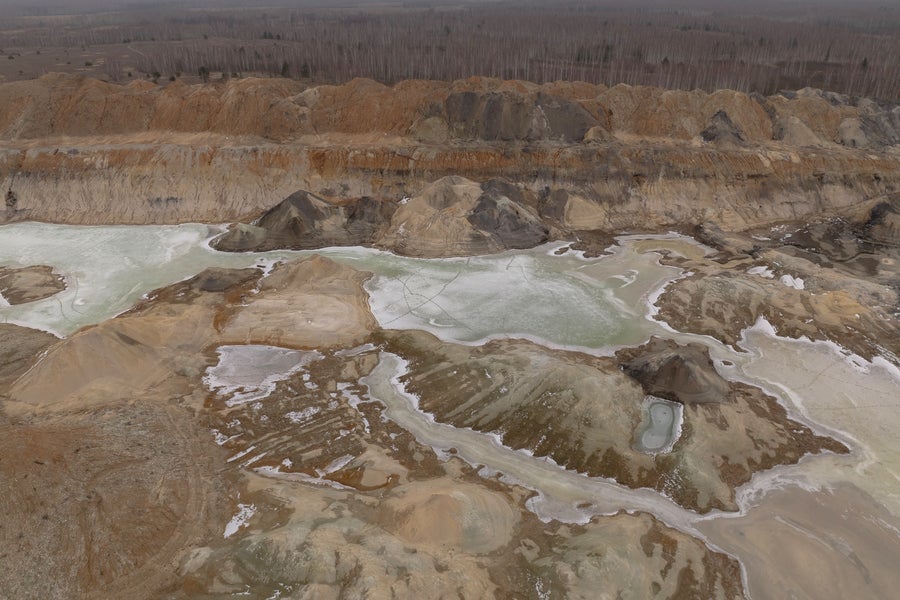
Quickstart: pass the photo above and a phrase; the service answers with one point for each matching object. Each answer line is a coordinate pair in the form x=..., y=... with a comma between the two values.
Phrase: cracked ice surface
x=560, y=300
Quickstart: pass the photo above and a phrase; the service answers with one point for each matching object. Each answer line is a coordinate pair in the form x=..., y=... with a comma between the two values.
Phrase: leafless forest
x=760, y=46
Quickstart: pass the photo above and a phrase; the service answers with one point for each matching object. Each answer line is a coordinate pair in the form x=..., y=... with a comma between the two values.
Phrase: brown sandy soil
x=850, y=270
x=28, y=284
x=101, y=503
x=132, y=479
x=331, y=311
x=20, y=348
x=78, y=150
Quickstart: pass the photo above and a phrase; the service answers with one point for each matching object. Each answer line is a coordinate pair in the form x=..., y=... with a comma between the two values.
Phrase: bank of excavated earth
x=82, y=151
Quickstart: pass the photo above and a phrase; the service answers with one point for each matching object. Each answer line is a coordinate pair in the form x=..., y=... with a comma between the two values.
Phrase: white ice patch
x=629, y=277
x=354, y=401
x=794, y=282
x=335, y=465
x=762, y=272
x=245, y=512
x=356, y=351
x=248, y=373
x=661, y=427
x=529, y=294
x=277, y=473
x=762, y=325
x=267, y=265
x=302, y=416
x=241, y=454
x=221, y=438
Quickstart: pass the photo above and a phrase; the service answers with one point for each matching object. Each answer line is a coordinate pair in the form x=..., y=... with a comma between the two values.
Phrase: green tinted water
x=563, y=300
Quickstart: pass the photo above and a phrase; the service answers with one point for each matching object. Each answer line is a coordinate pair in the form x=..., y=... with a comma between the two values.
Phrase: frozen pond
x=661, y=426
x=561, y=300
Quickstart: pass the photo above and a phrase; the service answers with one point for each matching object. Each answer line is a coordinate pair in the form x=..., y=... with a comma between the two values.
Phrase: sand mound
x=455, y=216
x=309, y=303
x=450, y=514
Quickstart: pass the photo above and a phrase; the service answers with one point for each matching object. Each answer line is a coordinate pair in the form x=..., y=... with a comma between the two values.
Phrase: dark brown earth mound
x=511, y=116
x=451, y=217
x=681, y=373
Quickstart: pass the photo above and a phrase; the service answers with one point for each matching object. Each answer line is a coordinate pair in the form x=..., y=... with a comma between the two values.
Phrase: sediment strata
x=82, y=151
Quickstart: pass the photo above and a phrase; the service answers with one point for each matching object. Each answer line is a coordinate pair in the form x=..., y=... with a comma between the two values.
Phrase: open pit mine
x=479, y=339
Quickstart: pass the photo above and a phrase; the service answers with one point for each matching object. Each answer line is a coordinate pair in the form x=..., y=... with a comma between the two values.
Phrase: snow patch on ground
x=762, y=272
x=302, y=416
x=245, y=512
x=249, y=373
x=791, y=281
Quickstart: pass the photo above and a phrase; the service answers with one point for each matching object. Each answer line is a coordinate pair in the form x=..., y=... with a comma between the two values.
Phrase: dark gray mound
x=500, y=213
x=215, y=279
x=721, y=130
x=509, y=116
x=680, y=373
x=883, y=226
x=304, y=221
x=567, y=120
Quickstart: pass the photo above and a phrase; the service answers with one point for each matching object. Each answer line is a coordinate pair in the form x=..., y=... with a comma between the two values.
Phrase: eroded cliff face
x=83, y=151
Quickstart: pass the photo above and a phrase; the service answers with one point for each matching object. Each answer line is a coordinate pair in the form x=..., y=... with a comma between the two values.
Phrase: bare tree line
x=665, y=48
